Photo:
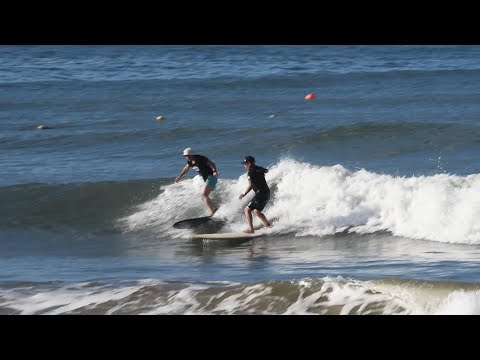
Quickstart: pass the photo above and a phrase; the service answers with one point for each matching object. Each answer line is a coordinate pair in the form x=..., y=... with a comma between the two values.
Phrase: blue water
x=379, y=171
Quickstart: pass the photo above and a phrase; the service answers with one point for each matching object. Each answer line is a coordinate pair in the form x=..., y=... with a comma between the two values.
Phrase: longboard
x=230, y=236
x=196, y=222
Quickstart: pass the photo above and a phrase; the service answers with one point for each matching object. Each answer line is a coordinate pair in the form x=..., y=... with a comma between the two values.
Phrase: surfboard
x=196, y=222
x=231, y=235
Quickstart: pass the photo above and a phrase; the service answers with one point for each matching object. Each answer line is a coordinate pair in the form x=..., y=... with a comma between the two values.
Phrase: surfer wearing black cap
x=256, y=181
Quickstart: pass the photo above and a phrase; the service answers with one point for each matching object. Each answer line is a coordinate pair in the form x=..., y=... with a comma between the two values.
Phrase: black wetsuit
x=201, y=166
x=256, y=175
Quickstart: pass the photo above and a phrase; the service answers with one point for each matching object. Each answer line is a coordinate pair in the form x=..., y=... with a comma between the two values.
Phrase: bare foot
x=248, y=231
x=214, y=211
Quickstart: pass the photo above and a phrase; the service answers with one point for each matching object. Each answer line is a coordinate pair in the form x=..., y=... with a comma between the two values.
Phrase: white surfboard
x=230, y=236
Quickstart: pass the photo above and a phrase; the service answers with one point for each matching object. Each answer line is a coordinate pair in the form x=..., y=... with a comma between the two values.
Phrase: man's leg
x=205, y=193
x=248, y=215
x=262, y=217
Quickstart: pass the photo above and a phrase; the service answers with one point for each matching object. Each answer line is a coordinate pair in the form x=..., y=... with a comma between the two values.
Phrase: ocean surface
x=375, y=181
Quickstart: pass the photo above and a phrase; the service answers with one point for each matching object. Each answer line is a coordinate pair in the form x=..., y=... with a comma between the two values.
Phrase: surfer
x=256, y=181
x=207, y=169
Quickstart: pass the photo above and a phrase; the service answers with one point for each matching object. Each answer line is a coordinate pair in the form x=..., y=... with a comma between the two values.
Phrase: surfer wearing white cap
x=207, y=169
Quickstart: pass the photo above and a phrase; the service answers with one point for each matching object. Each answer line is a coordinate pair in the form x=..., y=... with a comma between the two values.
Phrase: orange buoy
x=310, y=97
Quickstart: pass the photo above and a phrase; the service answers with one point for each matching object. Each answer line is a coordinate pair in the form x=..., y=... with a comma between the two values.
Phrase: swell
x=86, y=205
x=286, y=134
x=308, y=296
x=398, y=137
x=292, y=75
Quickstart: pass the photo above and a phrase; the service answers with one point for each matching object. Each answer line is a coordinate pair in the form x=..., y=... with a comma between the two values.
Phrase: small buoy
x=160, y=118
x=310, y=97
x=43, y=127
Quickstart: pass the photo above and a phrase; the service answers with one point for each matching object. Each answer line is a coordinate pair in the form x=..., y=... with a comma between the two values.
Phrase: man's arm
x=213, y=167
x=184, y=171
x=247, y=190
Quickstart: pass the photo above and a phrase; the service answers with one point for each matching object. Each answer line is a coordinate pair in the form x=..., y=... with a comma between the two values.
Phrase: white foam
x=350, y=297
x=460, y=302
x=64, y=300
x=328, y=295
x=320, y=200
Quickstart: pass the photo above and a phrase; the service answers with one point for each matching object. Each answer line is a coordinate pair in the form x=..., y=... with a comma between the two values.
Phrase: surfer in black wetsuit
x=256, y=181
x=207, y=169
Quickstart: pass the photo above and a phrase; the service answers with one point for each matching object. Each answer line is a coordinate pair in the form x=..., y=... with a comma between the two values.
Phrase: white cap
x=188, y=151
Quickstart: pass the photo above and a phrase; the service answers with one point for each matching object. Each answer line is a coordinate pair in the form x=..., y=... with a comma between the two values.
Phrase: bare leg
x=204, y=195
x=248, y=215
x=262, y=217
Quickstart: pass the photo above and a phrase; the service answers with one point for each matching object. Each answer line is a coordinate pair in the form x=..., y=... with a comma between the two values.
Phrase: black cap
x=249, y=159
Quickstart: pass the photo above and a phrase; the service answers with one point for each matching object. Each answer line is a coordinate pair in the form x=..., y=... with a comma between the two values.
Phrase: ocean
x=375, y=181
